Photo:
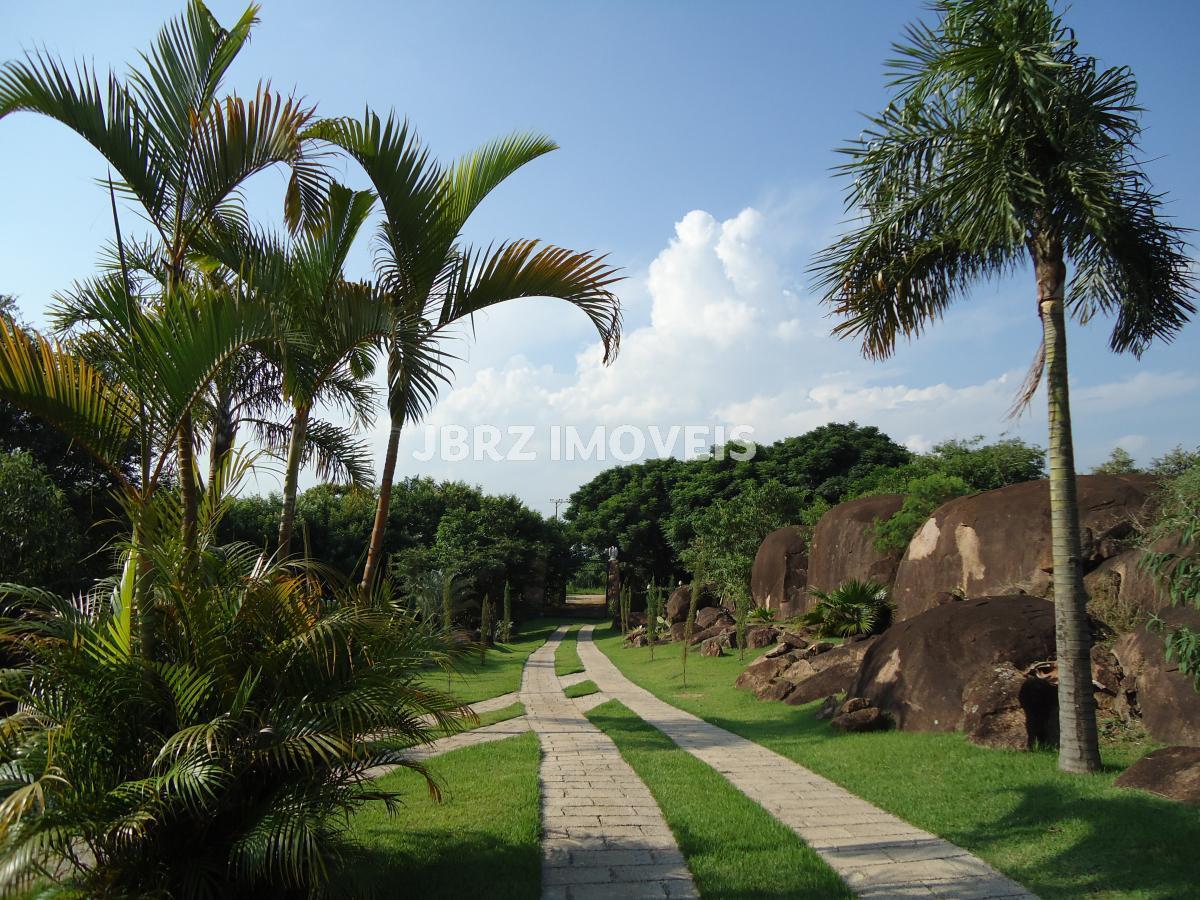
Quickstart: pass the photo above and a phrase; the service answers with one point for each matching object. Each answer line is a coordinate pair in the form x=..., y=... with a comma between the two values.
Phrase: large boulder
x=1121, y=594
x=843, y=543
x=826, y=673
x=681, y=598
x=1168, y=700
x=998, y=542
x=1172, y=772
x=779, y=578
x=919, y=670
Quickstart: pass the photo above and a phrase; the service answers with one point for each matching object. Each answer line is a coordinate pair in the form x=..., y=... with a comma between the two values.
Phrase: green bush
x=39, y=541
x=1177, y=528
x=855, y=608
x=925, y=494
x=203, y=729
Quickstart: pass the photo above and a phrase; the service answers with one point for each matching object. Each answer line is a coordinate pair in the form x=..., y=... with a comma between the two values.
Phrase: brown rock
x=779, y=577
x=861, y=720
x=761, y=671
x=681, y=597
x=843, y=543
x=1172, y=772
x=775, y=690
x=793, y=640
x=1168, y=700
x=778, y=650
x=714, y=646
x=829, y=708
x=1007, y=709
x=763, y=636
x=918, y=670
x=678, y=630
x=998, y=542
x=713, y=615
x=828, y=673
x=1121, y=594
x=854, y=704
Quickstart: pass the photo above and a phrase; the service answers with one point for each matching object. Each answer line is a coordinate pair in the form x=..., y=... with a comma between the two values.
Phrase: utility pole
x=556, y=501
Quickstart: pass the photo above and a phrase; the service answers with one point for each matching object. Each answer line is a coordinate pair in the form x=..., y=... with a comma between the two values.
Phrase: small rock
x=777, y=650
x=854, y=704
x=761, y=671
x=829, y=708
x=1172, y=772
x=869, y=718
x=793, y=640
x=763, y=636
x=775, y=690
x=714, y=646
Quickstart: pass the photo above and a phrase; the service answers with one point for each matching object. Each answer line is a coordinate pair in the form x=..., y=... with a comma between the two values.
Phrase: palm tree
x=1004, y=143
x=180, y=151
x=340, y=325
x=434, y=282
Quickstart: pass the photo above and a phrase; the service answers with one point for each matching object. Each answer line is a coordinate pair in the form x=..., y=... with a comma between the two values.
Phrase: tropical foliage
x=853, y=608
x=1005, y=145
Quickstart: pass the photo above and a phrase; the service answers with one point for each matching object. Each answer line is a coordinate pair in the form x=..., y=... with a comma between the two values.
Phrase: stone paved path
x=603, y=834
x=876, y=853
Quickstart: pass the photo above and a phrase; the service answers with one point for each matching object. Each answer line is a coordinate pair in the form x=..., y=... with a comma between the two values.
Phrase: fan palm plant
x=1005, y=144
x=434, y=282
x=853, y=608
x=226, y=762
x=180, y=150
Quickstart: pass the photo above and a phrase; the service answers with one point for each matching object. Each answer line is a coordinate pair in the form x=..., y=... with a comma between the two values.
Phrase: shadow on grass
x=449, y=865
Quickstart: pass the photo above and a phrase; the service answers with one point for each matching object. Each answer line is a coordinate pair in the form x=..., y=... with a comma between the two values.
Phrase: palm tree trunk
x=1079, y=749
x=224, y=433
x=187, y=484
x=287, y=517
x=383, y=505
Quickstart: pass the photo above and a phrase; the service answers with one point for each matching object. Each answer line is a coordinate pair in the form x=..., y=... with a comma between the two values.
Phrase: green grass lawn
x=734, y=847
x=1060, y=835
x=482, y=840
x=583, y=689
x=566, y=658
x=500, y=672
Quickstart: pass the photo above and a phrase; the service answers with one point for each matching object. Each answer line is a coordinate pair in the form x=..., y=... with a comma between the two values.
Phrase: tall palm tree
x=181, y=151
x=1004, y=143
x=435, y=282
x=340, y=325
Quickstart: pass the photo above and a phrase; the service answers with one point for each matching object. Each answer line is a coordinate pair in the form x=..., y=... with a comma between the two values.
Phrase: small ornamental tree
x=690, y=625
x=653, y=609
x=504, y=631
x=485, y=629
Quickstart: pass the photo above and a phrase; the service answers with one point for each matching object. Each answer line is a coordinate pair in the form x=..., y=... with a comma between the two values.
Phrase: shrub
x=1177, y=525
x=38, y=536
x=760, y=614
x=203, y=730
x=925, y=494
x=854, y=608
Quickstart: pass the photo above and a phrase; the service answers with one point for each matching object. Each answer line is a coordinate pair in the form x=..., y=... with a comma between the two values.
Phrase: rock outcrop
x=1166, y=698
x=1172, y=772
x=822, y=674
x=924, y=671
x=779, y=578
x=843, y=543
x=998, y=542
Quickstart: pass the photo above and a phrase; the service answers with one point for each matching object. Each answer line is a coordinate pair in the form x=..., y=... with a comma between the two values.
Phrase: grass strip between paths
x=583, y=689
x=734, y=848
x=500, y=670
x=566, y=658
x=1062, y=836
x=482, y=840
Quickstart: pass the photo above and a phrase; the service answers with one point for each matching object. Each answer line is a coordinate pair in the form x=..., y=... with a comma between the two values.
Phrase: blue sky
x=696, y=140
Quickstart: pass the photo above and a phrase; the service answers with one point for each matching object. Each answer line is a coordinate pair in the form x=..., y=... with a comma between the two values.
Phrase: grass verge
x=1060, y=835
x=734, y=848
x=566, y=658
x=482, y=840
x=500, y=672
x=583, y=689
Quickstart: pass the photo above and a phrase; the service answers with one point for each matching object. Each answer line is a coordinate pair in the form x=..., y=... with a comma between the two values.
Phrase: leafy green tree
x=1119, y=462
x=729, y=532
x=1004, y=144
x=1175, y=462
x=39, y=543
